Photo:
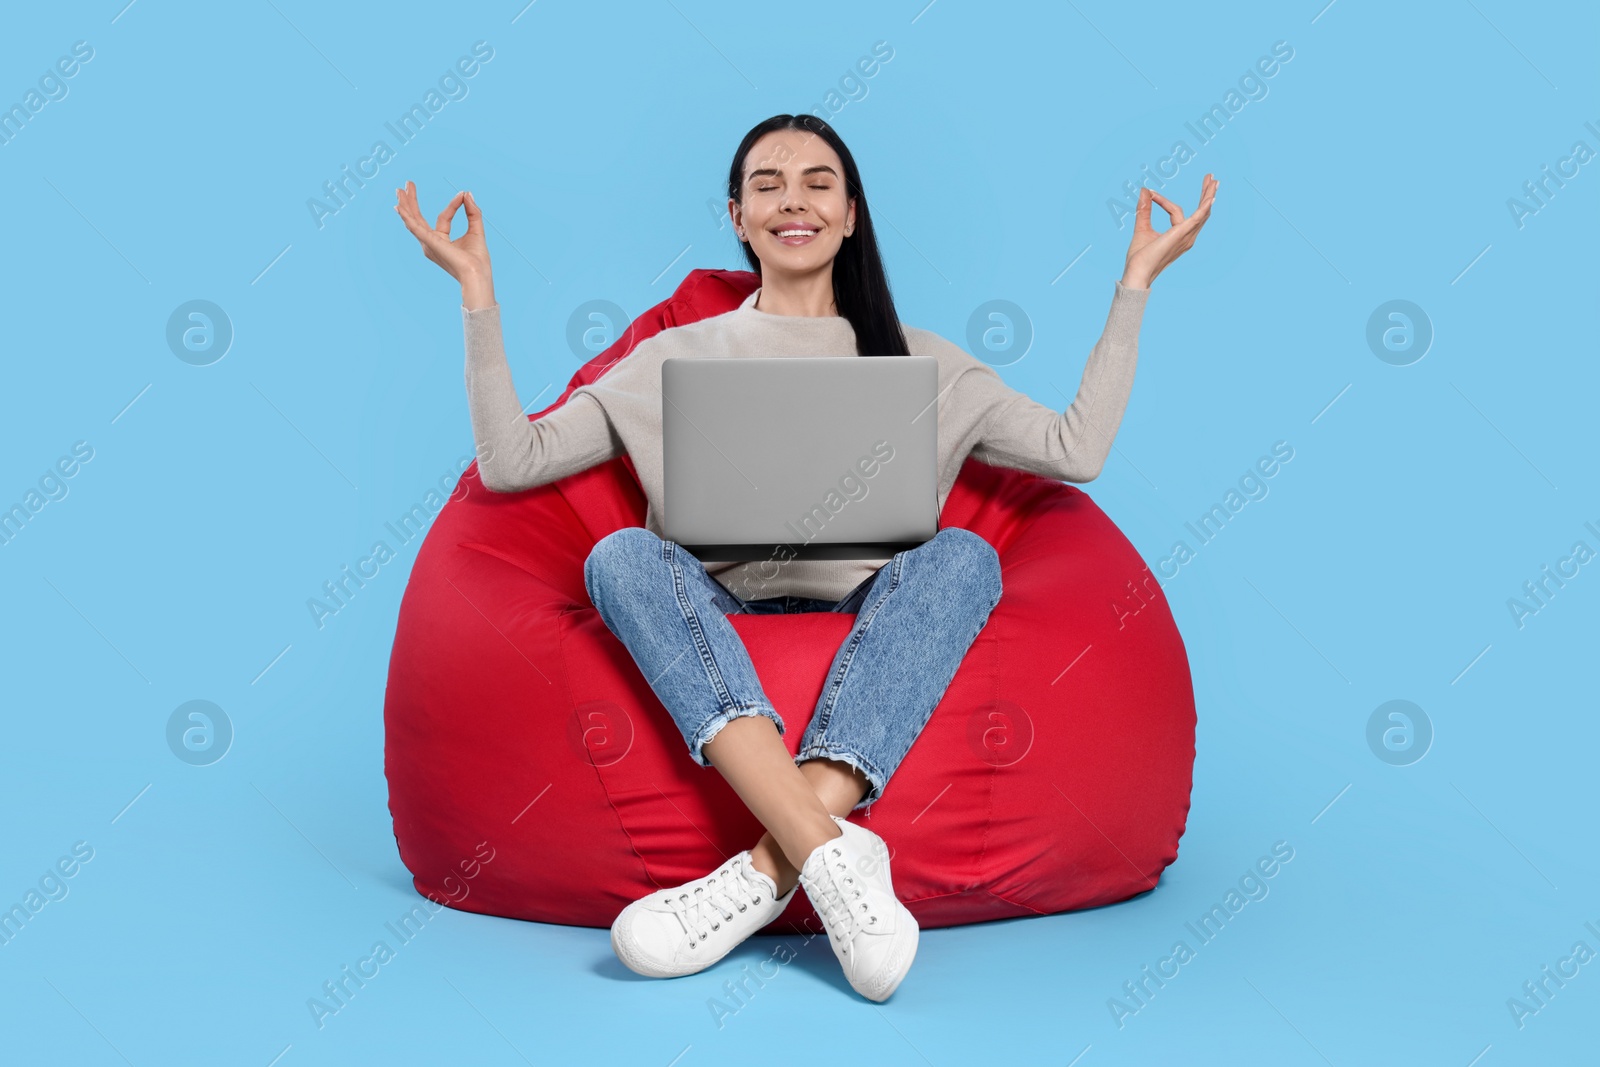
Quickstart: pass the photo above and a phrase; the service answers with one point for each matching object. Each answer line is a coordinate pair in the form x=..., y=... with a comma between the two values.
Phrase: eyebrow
x=772, y=172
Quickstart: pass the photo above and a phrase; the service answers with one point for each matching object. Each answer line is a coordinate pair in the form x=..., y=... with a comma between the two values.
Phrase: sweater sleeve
x=515, y=452
x=1018, y=432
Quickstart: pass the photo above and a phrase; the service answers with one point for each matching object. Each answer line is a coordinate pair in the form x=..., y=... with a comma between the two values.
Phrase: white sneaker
x=674, y=932
x=874, y=936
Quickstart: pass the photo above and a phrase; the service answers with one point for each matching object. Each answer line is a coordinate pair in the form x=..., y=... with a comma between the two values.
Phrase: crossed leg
x=659, y=599
x=794, y=802
x=893, y=653
x=663, y=605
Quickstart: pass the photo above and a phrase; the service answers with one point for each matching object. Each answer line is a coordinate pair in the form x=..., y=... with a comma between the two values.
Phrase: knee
x=616, y=551
x=969, y=557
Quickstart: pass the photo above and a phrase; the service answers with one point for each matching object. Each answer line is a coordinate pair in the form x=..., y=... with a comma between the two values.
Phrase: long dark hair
x=860, y=287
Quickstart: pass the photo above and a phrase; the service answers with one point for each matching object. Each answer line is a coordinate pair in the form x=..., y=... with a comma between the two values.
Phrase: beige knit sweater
x=620, y=412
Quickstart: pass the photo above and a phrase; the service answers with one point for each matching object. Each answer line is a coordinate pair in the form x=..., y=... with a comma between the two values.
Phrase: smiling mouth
x=795, y=235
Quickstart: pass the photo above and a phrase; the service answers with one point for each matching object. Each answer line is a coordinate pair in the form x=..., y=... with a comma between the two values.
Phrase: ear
x=850, y=218
x=736, y=213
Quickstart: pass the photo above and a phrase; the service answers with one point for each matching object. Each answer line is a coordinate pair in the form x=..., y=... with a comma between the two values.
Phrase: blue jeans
x=916, y=616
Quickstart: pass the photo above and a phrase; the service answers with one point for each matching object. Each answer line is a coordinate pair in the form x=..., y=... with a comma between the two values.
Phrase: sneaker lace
x=843, y=900
x=704, y=910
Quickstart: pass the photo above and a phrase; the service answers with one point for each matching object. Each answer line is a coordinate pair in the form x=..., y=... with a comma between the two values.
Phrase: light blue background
x=220, y=498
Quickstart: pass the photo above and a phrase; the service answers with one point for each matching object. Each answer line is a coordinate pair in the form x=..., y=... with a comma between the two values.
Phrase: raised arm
x=514, y=453
x=1016, y=431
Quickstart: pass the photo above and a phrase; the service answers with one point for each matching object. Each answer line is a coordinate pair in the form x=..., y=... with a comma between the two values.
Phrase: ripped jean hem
x=824, y=749
x=713, y=726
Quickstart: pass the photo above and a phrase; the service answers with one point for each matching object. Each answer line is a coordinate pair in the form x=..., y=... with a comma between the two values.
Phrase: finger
x=474, y=216
x=406, y=200
x=407, y=208
x=1141, y=218
x=408, y=214
x=449, y=213
x=419, y=229
x=413, y=206
x=1191, y=226
x=1192, y=230
x=1174, y=212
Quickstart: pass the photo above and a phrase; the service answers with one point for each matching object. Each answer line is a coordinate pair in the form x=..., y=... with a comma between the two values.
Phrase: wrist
x=1133, y=280
x=477, y=292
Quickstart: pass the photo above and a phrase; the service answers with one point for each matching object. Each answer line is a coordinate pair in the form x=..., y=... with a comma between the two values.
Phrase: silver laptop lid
x=799, y=457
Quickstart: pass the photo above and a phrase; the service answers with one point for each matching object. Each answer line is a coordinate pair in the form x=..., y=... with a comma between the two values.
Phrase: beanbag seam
x=994, y=769
x=489, y=550
x=561, y=648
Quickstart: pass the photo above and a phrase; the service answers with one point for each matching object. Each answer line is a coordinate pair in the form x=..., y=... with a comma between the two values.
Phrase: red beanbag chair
x=534, y=774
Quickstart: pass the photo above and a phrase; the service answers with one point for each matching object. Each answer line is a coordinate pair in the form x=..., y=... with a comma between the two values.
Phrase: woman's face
x=793, y=184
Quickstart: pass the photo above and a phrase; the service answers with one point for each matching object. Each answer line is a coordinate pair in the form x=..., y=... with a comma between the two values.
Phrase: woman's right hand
x=466, y=259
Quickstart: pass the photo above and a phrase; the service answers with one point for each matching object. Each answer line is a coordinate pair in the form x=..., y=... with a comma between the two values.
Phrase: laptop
x=799, y=457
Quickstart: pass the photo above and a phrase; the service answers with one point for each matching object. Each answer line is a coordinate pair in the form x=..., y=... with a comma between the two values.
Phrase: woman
x=797, y=204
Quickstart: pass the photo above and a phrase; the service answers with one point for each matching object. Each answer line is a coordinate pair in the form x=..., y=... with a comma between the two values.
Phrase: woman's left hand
x=1150, y=253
